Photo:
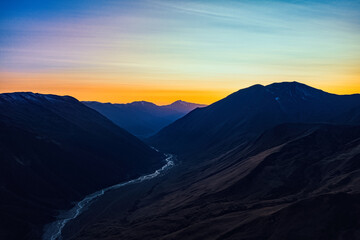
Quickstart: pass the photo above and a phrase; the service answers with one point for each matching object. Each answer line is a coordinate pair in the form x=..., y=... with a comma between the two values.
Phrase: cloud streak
x=229, y=44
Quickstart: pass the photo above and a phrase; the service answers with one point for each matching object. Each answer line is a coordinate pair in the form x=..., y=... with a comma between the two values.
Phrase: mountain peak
x=293, y=84
x=180, y=102
x=184, y=103
x=293, y=90
x=142, y=103
x=182, y=106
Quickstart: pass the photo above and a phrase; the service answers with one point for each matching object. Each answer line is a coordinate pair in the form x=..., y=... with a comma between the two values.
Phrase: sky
x=161, y=51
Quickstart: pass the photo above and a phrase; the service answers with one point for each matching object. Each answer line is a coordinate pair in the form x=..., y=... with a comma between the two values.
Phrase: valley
x=271, y=194
x=267, y=162
x=180, y=120
x=53, y=230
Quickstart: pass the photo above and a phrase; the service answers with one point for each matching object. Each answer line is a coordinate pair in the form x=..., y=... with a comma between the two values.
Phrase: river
x=53, y=230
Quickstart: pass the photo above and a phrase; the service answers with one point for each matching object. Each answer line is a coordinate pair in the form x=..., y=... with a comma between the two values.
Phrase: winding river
x=53, y=230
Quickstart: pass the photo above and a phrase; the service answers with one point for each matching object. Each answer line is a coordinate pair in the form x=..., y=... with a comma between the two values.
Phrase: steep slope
x=294, y=182
x=143, y=119
x=54, y=150
x=351, y=117
x=239, y=118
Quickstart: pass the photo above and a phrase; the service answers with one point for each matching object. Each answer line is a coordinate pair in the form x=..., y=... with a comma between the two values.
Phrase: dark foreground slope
x=296, y=181
x=239, y=118
x=54, y=150
x=143, y=119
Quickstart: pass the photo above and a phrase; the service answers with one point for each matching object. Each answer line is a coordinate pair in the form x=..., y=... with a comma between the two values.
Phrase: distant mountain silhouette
x=239, y=118
x=143, y=119
x=54, y=150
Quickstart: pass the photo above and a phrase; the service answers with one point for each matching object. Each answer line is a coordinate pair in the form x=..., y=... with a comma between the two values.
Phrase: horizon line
x=173, y=101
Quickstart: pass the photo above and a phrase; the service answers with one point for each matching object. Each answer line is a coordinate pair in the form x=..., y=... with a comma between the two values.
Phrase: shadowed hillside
x=55, y=150
x=305, y=186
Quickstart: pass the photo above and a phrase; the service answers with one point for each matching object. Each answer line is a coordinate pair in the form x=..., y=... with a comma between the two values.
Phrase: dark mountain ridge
x=242, y=116
x=55, y=150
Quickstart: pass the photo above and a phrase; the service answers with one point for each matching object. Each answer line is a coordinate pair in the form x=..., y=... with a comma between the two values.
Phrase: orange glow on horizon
x=162, y=51
x=107, y=91
x=91, y=89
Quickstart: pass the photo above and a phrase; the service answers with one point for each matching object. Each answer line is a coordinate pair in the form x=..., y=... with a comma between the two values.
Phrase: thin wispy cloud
x=236, y=42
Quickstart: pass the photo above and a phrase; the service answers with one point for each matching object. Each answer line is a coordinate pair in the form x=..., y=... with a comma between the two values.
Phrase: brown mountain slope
x=305, y=185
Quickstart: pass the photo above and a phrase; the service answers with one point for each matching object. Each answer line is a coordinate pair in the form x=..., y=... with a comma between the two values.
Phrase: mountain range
x=267, y=162
x=280, y=161
x=143, y=119
x=239, y=118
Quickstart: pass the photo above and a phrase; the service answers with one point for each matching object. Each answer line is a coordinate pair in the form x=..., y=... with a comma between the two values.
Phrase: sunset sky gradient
x=162, y=51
